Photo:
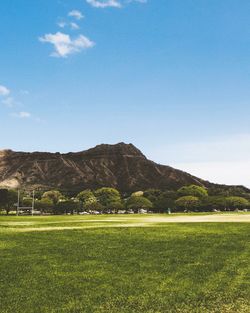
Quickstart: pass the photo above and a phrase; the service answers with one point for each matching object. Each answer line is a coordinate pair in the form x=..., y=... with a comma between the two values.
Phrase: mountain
x=121, y=166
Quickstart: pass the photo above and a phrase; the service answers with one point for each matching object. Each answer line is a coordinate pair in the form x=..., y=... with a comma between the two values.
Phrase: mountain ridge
x=122, y=166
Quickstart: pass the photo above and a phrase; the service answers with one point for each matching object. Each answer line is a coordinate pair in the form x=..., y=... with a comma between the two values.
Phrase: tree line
x=110, y=200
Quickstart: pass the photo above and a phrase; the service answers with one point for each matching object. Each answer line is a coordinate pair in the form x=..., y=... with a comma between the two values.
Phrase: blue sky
x=170, y=76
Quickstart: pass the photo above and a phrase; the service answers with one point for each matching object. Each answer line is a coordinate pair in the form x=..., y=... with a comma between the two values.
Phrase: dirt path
x=216, y=218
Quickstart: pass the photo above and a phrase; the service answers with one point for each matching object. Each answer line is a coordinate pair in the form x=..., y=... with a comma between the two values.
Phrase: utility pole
x=18, y=202
x=33, y=203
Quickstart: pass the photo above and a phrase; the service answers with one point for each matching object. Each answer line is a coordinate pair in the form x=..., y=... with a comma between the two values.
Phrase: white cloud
x=22, y=115
x=74, y=26
x=104, y=3
x=76, y=14
x=111, y=3
x=4, y=91
x=9, y=102
x=61, y=24
x=139, y=1
x=64, y=45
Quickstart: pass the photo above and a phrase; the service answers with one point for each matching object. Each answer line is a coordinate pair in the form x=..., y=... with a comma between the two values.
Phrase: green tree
x=38, y=194
x=109, y=198
x=166, y=201
x=53, y=195
x=12, y=200
x=66, y=206
x=229, y=191
x=193, y=190
x=44, y=205
x=236, y=203
x=94, y=206
x=212, y=203
x=86, y=198
x=3, y=198
x=8, y=199
x=187, y=203
x=153, y=195
x=136, y=203
x=27, y=201
x=116, y=205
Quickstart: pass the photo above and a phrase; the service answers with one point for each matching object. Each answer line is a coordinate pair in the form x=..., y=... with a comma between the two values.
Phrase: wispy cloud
x=24, y=92
x=74, y=26
x=10, y=102
x=64, y=44
x=104, y=3
x=76, y=14
x=25, y=115
x=4, y=91
x=22, y=115
x=7, y=99
x=111, y=3
x=140, y=1
x=62, y=24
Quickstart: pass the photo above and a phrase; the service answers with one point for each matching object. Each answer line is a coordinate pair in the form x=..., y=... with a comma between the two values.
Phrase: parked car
x=121, y=212
x=142, y=211
x=130, y=212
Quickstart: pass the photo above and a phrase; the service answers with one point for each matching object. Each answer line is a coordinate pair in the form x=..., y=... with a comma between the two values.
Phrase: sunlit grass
x=194, y=267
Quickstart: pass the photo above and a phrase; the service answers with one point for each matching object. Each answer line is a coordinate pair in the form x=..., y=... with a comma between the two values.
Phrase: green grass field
x=123, y=264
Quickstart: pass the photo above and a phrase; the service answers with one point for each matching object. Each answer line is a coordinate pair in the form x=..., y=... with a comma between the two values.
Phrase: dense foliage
x=136, y=203
x=193, y=190
x=110, y=200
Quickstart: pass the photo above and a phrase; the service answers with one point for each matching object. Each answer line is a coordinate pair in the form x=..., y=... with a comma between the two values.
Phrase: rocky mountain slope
x=122, y=166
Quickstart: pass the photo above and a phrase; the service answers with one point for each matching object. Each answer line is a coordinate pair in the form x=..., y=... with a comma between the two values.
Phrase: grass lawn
x=123, y=264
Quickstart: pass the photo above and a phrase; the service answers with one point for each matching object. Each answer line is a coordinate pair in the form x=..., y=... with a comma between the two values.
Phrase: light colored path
x=213, y=218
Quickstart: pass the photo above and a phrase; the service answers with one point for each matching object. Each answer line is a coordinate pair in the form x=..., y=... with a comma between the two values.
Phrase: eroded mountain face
x=121, y=166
